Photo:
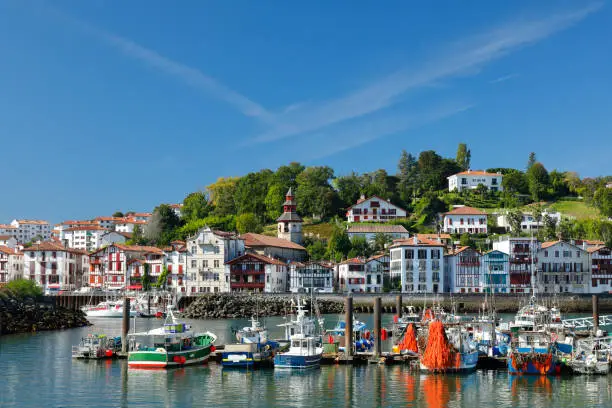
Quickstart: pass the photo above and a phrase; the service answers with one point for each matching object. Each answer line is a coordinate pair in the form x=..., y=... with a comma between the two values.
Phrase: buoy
x=367, y=334
x=395, y=319
x=158, y=315
x=108, y=353
x=213, y=348
x=330, y=339
x=383, y=334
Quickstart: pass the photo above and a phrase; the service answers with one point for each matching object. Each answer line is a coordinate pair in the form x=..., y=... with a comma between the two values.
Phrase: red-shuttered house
x=114, y=266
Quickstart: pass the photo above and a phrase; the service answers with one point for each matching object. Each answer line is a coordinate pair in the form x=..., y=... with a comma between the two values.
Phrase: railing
x=236, y=285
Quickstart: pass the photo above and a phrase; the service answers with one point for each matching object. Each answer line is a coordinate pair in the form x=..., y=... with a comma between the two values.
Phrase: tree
x=515, y=182
x=145, y=280
x=339, y=244
x=549, y=227
x=380, y=242
x=316, y=249
x=360, y=247
x=407, y=174
x=463, y=157
x=482, y=191
x=348, y=188
x=251, y=191
x=558, y=184
x=162, y=225
x=137, y=236
x=602, y=199
x=538, y=180
x=162, y=280
x=286, y=176
x=274, y=201
x=515, y=218
x=222, y=195
x=314, y=194
x=531, y=161
x=248, y=222
x=195, y=207
x=566, y=229
x=118, y=214
x=466, y=240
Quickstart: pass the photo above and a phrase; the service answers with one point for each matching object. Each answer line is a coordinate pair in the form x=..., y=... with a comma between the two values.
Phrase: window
x=494, y=182
x=463, y=181
x=556, y=254
x=409, y=254
x=396, y=254
x=435, y=254
x=546, y=253
x=422, y=254
x=216, y=263
x=194, y=263
x=205, y=263
x=577, y=254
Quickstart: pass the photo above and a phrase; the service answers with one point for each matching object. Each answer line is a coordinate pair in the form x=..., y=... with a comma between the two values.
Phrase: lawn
x=578, y=209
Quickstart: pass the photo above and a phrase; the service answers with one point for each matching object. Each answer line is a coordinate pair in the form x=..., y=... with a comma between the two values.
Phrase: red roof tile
x=465, y=210
x=476, y=173
x=257, y=240
x=258, y=257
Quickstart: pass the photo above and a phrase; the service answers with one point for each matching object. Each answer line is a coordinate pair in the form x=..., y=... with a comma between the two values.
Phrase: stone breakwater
x=26, y=315
x=228, y=306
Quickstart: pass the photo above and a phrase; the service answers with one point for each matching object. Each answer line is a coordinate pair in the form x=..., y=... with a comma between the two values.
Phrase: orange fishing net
x=409, y=341
x=437, y=354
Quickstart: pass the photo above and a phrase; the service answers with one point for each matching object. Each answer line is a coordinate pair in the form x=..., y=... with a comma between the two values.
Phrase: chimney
x=415, y=240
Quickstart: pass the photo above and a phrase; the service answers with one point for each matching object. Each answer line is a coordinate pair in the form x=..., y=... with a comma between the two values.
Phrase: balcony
x=241, y=272
x=249, y=285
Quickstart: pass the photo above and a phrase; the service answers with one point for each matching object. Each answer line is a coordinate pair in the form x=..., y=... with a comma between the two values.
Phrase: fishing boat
x=249, y=355
x=304, y=352
x=172, y=345
x=533, y=352
x=363, y=339
x=447, y=350
x=592, y=356
x=108, y=308
x=255, y=333
x=96, y=346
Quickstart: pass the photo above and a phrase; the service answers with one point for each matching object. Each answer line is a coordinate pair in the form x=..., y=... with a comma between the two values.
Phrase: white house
x=463, y=270
x=128, y=224
x=600, y=262
x=563, y=267
x=54, y=267
x=257, y=273
x=528, y=222
x=88, y=238
x=11, y=264
x=465, y=219
x=142, y=216
x=108, y=222
x=374, y=209
x=522, y=253
x=369, y=231
x=356, y=277
x=176, y=263
x=317, y=276
x=208, y=252
x=420, y=264
x=27, y=230
x=469, y=180
x=8, y=241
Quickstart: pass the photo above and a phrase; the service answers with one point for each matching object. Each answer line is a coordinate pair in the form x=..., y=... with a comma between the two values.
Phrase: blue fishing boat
x=304, y=352
x=533, y=353
x=364, y=340
x=249, y=355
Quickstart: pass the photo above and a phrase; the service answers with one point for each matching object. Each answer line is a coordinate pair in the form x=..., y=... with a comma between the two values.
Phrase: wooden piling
x=398, y=305
x=377, y=325
x=595, y=314
x=126, y=324
x=348, y=326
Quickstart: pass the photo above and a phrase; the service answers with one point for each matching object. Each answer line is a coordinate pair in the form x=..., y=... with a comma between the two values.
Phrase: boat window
x=304, y=344
x=295, y=343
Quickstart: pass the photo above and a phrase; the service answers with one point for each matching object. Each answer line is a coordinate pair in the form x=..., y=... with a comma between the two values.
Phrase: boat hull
x=599, y=367
x=245, y=360
x=464, y=363
x=285, y=360
x=107, y=313
x=159, y=359
x=533, y=364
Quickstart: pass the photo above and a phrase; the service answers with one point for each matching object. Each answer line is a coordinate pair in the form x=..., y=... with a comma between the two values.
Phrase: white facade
x=176, y=263
x=108, y=222
x=374, y=209
x=26, y=230
x=11, y=264
x=127, y=225
x=85, y=238
x=528, y=222
x=208, y=251
x=600, y=263
x=469, y=180
x=463, y=270
x=355, y=276
x=465, y=219
x=257, y=273
x=8, y=241
x=522, y=253
x=317, y=276
x=563, y=268
x=54, y=267
x=420, y=264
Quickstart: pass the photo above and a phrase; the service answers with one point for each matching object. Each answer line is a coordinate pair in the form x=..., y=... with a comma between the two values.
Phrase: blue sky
x=111, y=105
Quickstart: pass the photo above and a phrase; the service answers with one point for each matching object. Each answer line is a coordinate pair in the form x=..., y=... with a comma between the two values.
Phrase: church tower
x=290, y=223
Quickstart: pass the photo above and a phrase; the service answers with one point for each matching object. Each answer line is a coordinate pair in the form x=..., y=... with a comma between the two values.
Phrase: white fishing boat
x=108, y=308
x=96, y=346
x=255, y=333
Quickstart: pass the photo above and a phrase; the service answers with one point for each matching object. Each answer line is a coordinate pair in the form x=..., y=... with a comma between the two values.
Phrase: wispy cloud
x=503, y=78
x=465, y=57
x=351, y=135
x=189, y=75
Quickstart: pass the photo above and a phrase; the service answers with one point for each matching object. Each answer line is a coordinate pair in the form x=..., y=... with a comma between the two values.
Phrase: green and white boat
x=172, y=345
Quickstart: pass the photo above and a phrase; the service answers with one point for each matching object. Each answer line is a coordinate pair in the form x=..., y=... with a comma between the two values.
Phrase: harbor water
x=36, y=370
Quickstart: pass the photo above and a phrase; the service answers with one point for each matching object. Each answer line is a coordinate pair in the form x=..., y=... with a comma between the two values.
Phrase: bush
x=23, y=288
